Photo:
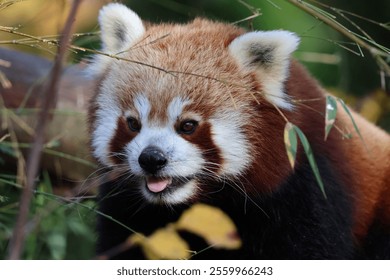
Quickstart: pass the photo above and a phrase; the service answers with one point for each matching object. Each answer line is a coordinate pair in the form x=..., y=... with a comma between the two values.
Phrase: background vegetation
x=61, y=221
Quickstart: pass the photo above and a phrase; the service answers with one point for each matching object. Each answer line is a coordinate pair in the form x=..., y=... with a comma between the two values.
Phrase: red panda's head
x=180, y=106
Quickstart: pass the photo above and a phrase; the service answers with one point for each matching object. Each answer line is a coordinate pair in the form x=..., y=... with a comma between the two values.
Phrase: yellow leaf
x=212, y=224
x=136, y=239
x=291, y=143
x=164, y=243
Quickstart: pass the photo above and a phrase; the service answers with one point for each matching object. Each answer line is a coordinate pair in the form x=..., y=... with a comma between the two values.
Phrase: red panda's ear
x=267, y=53
x=120, y=29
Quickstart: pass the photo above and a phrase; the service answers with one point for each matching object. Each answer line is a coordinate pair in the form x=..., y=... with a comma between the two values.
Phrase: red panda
x=187, y=113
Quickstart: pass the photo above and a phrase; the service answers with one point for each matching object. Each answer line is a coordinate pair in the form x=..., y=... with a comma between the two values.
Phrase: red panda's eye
x=188, y=126
x=133, y=124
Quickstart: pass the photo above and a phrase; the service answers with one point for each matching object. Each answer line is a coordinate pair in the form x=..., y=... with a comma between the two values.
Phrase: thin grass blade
x=310, y=157
x=345, y=107
x=330, y=114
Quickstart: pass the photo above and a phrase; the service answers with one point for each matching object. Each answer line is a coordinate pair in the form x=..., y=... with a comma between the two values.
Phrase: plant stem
x=49, y=102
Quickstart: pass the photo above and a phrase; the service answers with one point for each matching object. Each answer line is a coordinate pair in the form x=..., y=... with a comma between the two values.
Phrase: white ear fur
x=120, y=29
x=268, y=53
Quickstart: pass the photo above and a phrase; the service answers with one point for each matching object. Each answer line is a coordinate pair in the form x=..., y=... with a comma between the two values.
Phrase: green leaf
x=310, y=157
x=291, y=142
x=353, y=121
x=330, y=116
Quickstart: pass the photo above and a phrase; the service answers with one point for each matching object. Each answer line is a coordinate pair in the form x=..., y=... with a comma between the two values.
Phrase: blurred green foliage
x=56, y=230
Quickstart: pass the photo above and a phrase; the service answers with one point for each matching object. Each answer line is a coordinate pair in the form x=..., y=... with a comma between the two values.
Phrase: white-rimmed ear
x=268, y=53
x=120, y=29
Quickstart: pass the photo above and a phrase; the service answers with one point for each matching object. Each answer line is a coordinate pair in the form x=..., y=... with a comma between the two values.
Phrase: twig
x=375, y=52
x=35, y=38
x=381, y=24
x=49, y=102
x=256, y=12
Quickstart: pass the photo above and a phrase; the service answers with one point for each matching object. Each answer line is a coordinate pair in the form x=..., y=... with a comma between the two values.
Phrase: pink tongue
x=157, y=185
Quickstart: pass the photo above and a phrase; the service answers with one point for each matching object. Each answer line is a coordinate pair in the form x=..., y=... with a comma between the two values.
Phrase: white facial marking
x=175, y=109
x=143, y=107
x=227, y=135
x=106, y=124
x=184, y=158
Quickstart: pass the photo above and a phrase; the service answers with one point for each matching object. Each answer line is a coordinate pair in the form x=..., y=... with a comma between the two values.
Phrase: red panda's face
x=177, y=110
x=166, y=139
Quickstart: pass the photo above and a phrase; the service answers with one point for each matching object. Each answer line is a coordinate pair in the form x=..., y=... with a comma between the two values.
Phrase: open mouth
x=161, y=184
x=168, y=190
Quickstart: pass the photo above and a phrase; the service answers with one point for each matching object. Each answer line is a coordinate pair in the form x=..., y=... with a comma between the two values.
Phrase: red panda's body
x=193, y=113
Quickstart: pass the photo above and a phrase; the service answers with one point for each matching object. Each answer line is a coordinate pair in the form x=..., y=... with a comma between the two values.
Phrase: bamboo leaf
x=291, y=143
x=345, y=107
x=330, y=115
x=310, y=157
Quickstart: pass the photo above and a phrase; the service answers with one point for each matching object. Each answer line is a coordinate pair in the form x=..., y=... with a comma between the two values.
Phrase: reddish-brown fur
x=366, y=170
x=122, y=136
x=190, y=61
x=370, y=172
x=203, y=139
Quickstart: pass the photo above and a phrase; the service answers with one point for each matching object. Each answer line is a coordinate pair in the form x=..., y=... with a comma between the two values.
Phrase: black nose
x=152, y=160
